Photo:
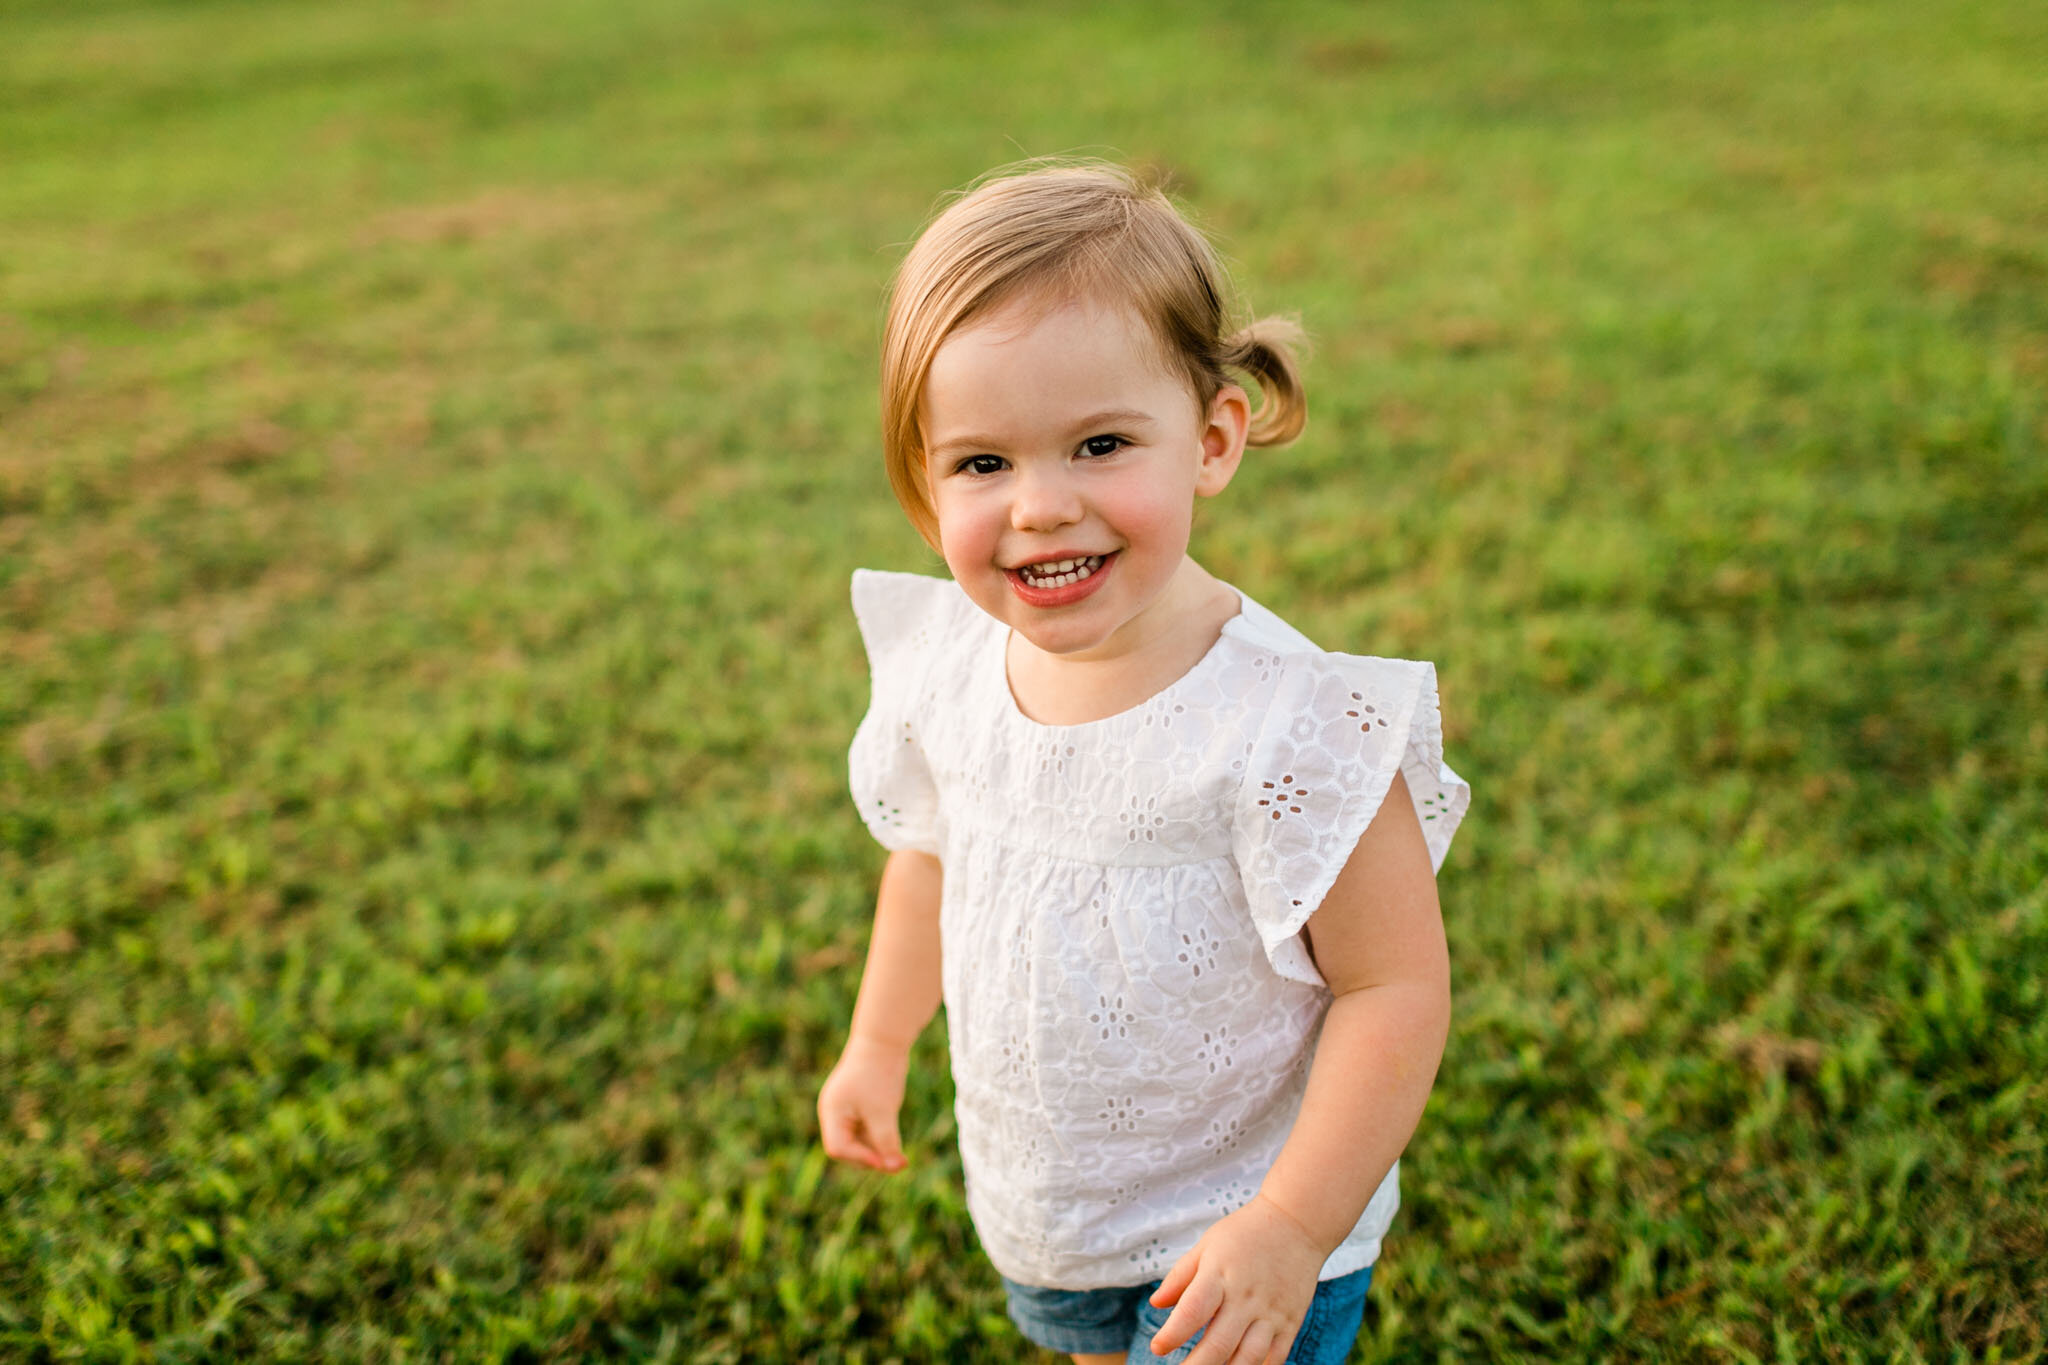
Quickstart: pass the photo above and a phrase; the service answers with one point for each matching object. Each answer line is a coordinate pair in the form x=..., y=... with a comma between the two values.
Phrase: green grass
x=434, y=440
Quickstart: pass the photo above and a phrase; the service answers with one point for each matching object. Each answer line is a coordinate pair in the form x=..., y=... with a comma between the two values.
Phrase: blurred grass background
x=434, y=440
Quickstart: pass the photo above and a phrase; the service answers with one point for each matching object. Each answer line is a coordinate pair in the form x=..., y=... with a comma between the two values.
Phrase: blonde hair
x=1072, y=230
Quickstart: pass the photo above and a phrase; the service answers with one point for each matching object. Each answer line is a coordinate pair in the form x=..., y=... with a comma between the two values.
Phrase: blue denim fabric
x=1097, y=1321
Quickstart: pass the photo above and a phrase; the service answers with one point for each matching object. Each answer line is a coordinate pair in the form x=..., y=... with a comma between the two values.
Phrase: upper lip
x=1063, y=554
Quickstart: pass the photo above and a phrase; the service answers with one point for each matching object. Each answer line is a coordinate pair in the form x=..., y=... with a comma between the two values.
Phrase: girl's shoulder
x=1333, y=731
x=905, y=618
x=1261, y=628
x=1286, y=650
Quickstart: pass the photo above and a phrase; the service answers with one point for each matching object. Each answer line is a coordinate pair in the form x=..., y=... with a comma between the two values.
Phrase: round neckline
x=1001, y=655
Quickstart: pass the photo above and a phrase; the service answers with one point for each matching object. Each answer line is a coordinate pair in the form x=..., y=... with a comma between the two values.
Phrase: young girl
x=1170, y=866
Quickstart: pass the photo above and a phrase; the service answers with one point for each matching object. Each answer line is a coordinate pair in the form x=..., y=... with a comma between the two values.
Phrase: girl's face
x=1064, y=460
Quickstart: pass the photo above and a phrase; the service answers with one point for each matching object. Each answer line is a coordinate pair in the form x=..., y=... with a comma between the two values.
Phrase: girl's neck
x=1055, y=690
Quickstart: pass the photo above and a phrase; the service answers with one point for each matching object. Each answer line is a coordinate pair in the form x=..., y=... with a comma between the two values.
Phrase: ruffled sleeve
x=1340, y=727
x=899, y=617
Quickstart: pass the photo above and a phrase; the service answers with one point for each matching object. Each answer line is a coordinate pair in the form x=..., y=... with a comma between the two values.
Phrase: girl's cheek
x=1160, y=518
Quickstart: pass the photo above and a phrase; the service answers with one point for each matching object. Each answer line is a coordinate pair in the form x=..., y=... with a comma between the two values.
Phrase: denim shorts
x=1097, y=1321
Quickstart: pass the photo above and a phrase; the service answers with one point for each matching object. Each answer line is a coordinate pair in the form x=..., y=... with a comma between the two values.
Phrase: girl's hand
x=1248, y=1281
x=858, y=1104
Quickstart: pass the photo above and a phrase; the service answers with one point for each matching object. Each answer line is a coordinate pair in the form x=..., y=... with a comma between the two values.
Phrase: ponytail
x=1265, y=351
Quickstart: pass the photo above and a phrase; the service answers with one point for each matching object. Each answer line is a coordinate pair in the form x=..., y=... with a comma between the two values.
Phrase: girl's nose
x=1045, y=499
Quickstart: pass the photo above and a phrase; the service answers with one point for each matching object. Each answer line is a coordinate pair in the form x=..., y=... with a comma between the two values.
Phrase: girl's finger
x=842, y=1141
x=1177, y=1279
x=887, y=1145
x=1198, y=1304
x=1283, y=1342
x=882, y=1144
x=1257, y=1346
x=1220, y=1339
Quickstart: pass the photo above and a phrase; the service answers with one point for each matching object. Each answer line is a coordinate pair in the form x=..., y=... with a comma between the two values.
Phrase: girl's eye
x=1103, y=445
x=981, y=464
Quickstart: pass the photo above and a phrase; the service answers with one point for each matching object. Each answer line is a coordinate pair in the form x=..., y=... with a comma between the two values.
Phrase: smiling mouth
x=1060, y=573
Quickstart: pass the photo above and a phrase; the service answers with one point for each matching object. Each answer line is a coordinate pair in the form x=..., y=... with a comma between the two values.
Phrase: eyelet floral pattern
x=1215, y=1051
x=1129, y=1003
x=1280, y=797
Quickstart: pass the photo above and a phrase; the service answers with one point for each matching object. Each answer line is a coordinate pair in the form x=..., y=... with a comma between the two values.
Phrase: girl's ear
x=1223, y=432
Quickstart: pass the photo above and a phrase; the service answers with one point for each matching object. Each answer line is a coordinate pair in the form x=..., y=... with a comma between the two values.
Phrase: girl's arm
x=1378, y=939
x=899, y=994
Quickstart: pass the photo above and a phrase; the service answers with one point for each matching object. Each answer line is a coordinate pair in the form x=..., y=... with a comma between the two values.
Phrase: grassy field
x=434, y=441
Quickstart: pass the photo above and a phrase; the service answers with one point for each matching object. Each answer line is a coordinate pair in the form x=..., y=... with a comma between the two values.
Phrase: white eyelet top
x=1129, y=1003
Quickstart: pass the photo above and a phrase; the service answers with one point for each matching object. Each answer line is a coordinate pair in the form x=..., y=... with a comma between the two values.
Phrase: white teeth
x=1061, y=572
